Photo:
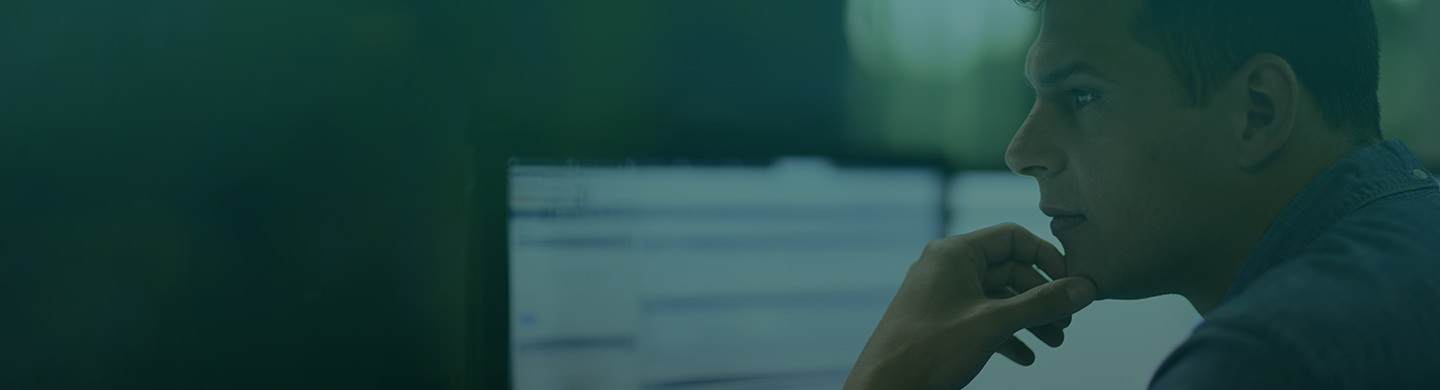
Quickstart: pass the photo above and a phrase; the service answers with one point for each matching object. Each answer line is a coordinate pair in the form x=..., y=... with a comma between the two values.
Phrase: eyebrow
x=1069, y=70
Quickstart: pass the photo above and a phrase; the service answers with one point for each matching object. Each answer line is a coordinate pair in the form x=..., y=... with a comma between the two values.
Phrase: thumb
x=1047, y=303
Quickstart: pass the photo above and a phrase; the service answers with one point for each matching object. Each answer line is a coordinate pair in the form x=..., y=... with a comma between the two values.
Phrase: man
x=1228, y=151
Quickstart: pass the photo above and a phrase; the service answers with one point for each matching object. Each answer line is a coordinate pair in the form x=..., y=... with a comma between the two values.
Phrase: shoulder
x=1226, y=356
x=1381, y=257
x=1402, y=224
x=1358, y=307
x=1368, y=253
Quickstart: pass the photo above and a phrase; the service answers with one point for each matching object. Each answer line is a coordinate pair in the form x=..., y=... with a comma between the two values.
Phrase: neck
x=1220, y=271
x=1264, y=195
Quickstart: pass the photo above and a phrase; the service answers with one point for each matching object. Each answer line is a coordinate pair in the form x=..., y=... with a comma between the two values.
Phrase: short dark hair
x=1332, y=45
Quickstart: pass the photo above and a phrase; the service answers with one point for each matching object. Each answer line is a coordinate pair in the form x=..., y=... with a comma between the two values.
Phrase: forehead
x=1093, y=31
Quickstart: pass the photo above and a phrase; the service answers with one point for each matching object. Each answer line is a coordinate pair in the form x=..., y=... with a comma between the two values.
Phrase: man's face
x=1134, y=172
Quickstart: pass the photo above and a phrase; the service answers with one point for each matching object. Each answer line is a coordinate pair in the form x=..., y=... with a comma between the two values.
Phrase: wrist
x=908, y=358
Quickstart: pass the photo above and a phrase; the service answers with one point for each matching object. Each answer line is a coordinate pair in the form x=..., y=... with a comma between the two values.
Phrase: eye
x=1081, y=98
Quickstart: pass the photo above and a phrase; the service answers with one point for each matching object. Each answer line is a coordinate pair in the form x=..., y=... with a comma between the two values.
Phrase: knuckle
x=1003, y=227
x=948, y=248
x=933, y=245
x=939, y=245
x=916, y=265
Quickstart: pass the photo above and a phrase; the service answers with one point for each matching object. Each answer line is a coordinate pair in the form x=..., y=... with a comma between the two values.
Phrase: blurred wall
x=233, y=194
x=1409, y=41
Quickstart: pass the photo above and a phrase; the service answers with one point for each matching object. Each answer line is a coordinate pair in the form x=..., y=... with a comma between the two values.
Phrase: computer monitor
x=717, y=275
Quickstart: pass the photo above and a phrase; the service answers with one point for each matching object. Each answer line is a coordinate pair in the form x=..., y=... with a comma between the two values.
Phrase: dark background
x=233, y=194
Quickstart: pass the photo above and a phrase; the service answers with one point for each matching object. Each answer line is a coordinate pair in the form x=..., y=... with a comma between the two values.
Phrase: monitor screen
x=728, y=275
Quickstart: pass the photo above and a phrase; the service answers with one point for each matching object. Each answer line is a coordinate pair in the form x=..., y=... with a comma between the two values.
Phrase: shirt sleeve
x=1220, y=357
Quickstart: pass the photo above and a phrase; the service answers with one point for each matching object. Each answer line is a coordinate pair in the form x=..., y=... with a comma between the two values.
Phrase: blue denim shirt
x=1342, y=291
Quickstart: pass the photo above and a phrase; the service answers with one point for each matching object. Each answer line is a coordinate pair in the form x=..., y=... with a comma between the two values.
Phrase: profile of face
x=1139, y=180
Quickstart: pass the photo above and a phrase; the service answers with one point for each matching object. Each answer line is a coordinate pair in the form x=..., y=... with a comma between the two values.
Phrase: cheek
x=1121, y=198
x=1129, y=199
x=1116, y=179
x=1143, y=171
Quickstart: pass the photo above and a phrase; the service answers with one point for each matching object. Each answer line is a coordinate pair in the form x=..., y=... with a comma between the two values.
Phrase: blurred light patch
x=935, y=40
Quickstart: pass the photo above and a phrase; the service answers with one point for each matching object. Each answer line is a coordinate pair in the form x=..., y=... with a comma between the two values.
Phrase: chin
x=1078, y=263
x=1113, y=278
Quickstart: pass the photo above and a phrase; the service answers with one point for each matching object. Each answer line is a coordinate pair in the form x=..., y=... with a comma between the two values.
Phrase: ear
x=1270, y=109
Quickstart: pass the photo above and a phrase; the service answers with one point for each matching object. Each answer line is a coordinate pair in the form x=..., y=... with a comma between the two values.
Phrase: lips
x=1065, y=223
x=1063, y=220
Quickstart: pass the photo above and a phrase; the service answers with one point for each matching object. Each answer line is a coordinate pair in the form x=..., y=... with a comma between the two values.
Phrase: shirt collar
x=1367, y=174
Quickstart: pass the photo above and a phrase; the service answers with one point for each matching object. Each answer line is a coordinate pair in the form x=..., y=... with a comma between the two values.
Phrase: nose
x=1034, y=151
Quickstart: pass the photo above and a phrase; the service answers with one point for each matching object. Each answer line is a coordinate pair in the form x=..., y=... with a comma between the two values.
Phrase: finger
x=1007, y=292
x=1001, y=293
x=1050, y=334
x=1011, y=278
x=1022, y=277
x=1026, y=278
x=1047, y=303
x=1009, y=241
x=1017, y=351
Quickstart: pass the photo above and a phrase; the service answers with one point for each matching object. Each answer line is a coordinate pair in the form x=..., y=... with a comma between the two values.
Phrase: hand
x=962, y=302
